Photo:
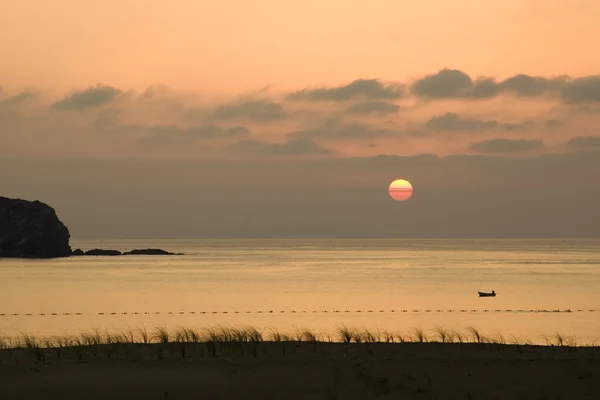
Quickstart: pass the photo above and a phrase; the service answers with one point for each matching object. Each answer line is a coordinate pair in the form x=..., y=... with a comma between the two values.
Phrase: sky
x=264, y=118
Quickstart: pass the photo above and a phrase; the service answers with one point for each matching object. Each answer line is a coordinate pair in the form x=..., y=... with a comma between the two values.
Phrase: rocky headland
x=31, y=229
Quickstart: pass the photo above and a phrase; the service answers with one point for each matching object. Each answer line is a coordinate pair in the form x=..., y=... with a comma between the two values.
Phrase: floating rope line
x=295, y=312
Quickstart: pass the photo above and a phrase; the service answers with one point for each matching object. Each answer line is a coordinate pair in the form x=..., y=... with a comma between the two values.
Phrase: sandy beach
x=301, y=370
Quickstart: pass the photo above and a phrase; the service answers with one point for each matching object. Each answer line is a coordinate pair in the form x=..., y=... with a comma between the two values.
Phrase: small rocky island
x=137, y=252
x=31, y=229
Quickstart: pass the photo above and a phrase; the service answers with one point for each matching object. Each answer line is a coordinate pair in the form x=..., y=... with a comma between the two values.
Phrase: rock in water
x=31, y=229
x=149, y=252
x=102, y=252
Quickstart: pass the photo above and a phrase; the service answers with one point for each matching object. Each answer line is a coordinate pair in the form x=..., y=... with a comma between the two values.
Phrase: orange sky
x=230, y=46
x=488, y=158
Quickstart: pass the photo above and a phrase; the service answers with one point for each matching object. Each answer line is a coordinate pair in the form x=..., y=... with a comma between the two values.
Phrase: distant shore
x=247, y=363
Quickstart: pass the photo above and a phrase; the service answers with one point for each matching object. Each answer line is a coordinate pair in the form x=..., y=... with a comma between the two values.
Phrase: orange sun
x=400, y=190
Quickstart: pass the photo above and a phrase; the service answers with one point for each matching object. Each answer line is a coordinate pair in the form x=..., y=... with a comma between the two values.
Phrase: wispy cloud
x=91, y=97
x=454, y=122
x=584, y=142
x=360, y=88
x=342, y=131
x=293, y=147
x=507, y=146
x=373, y=107
x=17, y=99
x=252, y=110
x=165, y=134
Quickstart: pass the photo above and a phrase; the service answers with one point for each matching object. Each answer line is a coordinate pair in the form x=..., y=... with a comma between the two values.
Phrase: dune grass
x=419, y=335
x=162, y=343
x=222, y=336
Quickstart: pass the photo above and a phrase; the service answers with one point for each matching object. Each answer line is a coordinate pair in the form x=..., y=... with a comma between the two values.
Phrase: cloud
x=125, y=120
x=373, y=107
x=450, y=122
x=17, y=99
x=360, y=88
x=300, y=146
x=584, y=142
x=335, y=130
x=554, y=123
x=205, y=131
x=257, y=110
x=454, y=122
x=506, y=146
x=483, y=88
x=527, y=86
x=91, y=97
x=247, y=145
x=107, y=119
x=293, y=147
x=455, y=84
x=167, y=134
x=582, y=90
x=447, y=83
x=10, y=107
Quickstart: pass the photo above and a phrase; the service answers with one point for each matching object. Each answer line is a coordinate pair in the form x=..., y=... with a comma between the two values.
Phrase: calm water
x=310, y=277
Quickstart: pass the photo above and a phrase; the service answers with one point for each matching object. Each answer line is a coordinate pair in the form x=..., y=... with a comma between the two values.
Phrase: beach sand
x=299, y=370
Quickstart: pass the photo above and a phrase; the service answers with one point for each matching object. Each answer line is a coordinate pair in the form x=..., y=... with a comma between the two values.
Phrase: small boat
x=487, y=294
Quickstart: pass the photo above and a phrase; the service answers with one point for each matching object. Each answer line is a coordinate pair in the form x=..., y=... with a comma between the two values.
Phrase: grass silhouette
x=221, y=337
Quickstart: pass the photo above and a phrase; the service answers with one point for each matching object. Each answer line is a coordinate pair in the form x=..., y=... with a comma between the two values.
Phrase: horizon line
x=345, y=238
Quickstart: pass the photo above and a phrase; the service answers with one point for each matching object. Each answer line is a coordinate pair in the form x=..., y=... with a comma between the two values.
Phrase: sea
x=544, y=288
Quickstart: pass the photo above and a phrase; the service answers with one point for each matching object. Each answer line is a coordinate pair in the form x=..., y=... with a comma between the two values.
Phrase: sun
x=400, y=190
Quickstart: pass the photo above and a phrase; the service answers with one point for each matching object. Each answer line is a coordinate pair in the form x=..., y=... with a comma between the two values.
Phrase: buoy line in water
x=297, y=312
